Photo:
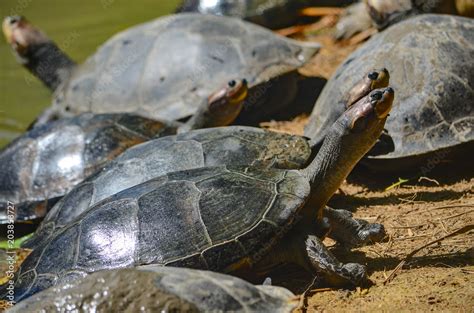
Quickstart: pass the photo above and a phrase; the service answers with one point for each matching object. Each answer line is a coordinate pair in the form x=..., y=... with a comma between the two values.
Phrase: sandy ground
x=438, y=278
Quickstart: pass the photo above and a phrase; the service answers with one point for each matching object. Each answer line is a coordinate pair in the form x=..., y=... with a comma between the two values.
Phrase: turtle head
x=368, y=115
x=386, y=12
x=359, y=127
x=221, y=108
x=374, y=79
x=22, y=35
x=225, y=105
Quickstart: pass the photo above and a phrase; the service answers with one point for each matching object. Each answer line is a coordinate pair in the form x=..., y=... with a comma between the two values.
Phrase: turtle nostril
x=376, y=95
x=389, y=90
x=244, y=81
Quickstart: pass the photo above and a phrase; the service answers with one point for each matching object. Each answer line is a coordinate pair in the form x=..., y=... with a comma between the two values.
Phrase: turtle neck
x=46, y=61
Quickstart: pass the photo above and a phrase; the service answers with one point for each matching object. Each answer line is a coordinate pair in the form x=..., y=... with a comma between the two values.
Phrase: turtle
x=222, y=218
x=383, y=13
x=159, y=289
x=430, y=62
x=162, y=68
x=46, y=162
x=233, y=145
x=268, y=13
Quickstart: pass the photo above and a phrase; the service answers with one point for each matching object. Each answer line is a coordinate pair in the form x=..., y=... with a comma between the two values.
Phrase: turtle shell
x=232, y=145
x=45, y=163
x=208, y=218
x=164, y=66
x=268, y=13
x=273, y=14
x=160, y=289
x=429, y=58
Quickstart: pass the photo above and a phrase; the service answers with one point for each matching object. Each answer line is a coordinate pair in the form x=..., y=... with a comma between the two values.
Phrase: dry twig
x=321, y=11
x=304, y=296
x=441, y=207
x=462, y=230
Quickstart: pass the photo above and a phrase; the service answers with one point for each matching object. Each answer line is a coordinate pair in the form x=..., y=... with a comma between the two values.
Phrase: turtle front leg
x=350, y=232
x=335, y=273
x=302, y=246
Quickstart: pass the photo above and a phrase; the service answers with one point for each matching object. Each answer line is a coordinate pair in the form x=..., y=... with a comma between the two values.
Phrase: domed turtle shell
x=45, y=163
x=206, y=218
x=164, y=66
x=159, y=289
x=430, y=62
x=232, y=145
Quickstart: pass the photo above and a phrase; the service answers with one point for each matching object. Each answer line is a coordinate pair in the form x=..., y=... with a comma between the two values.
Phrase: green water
x=88, y=22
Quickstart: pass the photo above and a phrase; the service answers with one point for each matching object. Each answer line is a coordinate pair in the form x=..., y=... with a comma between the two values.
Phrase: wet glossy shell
x=160, y=289
x=269, y=13
x=430, y=60
x=205, y=147
x=161, y=69
x=48, y=161
x=208, y=218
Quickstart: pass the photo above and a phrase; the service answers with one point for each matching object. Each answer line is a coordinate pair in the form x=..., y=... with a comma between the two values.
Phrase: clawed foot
x=350, y=232
x=335, y=273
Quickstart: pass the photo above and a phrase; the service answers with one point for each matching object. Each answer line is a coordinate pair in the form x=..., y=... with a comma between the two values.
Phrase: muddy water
x=79, y=26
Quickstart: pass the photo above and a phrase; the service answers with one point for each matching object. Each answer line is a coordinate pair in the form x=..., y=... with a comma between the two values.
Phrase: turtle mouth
x=20, y=34
x=9, y=23
x=384, y=104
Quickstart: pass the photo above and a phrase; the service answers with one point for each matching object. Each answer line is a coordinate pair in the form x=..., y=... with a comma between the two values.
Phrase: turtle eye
x=376, y=95
x=232, y=83
x=373, y=75
x=14, y=19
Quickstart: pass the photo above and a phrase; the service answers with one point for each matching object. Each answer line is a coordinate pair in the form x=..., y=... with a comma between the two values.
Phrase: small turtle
x=159, y=289
x=44, y=164
x=162, y=68
x=430, y=63
x=234, y=145
x=221, y=218
x=383, y=13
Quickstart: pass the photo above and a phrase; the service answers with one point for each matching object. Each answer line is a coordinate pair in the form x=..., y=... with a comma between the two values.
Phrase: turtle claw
x=350, y=232
x=355, y=273
x=371, y=233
